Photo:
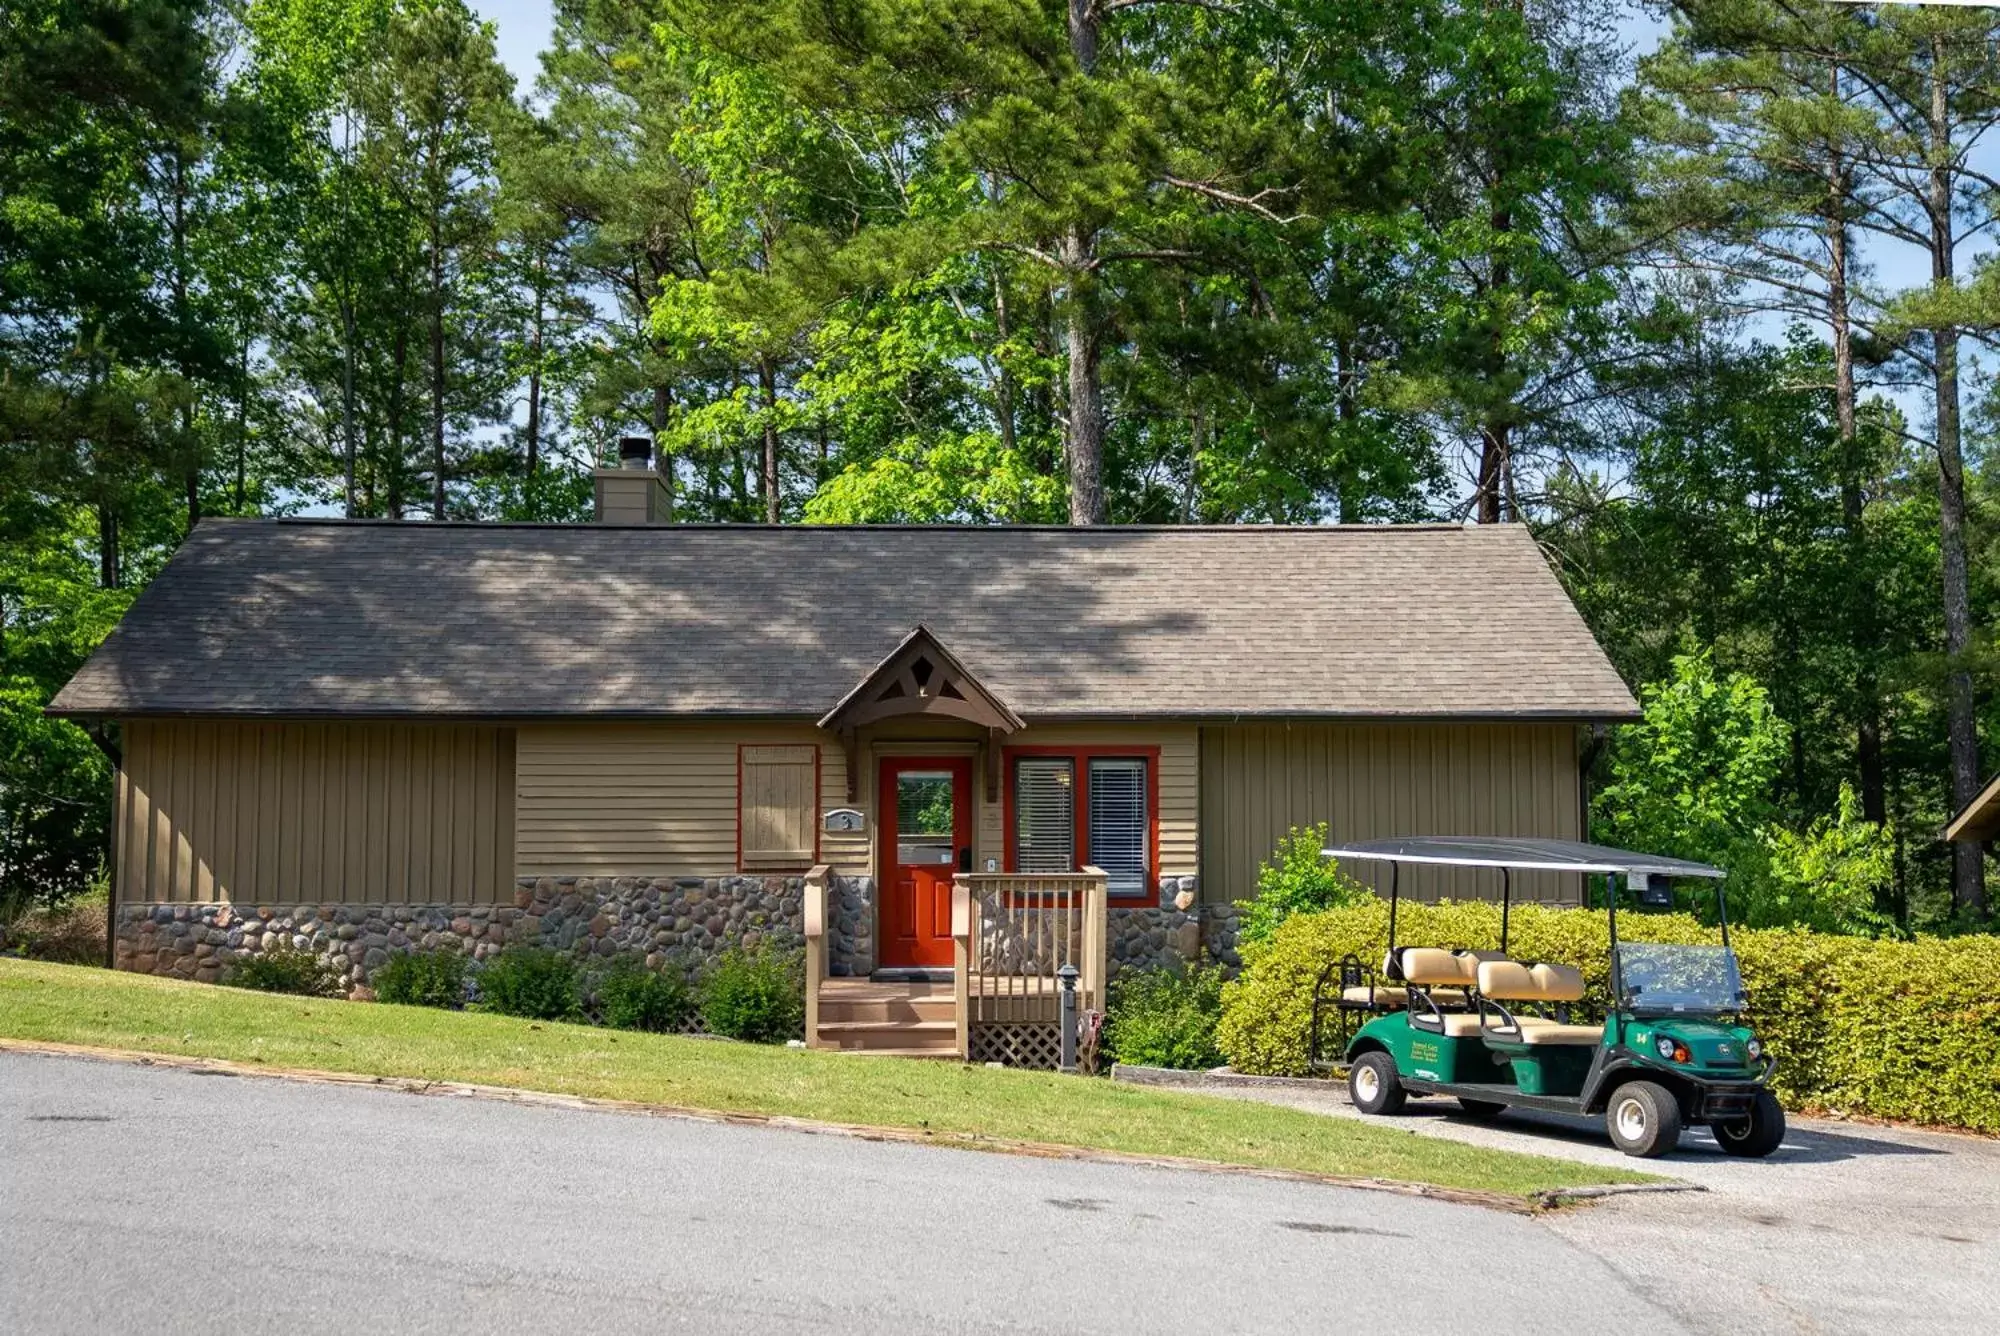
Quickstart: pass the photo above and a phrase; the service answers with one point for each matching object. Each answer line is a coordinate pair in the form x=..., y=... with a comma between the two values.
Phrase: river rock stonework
x=850, y=915
x=670, y=921
x=1159, y=938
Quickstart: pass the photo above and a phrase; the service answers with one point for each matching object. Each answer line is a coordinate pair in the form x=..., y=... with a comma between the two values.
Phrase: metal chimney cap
x=635, y=452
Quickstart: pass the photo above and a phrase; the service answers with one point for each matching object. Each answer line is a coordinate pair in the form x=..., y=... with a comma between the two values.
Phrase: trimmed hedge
x=1884, y=1029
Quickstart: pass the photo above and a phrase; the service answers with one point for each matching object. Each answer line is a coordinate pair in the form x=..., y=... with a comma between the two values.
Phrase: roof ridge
x=730, y=526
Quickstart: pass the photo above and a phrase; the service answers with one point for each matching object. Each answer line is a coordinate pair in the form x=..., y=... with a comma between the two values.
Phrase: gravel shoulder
x=177, y=1202
x=1847, y=1228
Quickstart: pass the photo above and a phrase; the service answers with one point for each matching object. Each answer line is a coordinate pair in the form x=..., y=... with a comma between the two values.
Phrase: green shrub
x=756, y=995
x=421, y=979
x=1880, y=1028
x=1298, y=879
x=631, y=997
x=531, y=981
x=1165, y=1018
x=286, y=970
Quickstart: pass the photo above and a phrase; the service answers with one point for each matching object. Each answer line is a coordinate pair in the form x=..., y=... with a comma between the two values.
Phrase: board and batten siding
x=290, y=813
x=654, y=799
x=1378, y=781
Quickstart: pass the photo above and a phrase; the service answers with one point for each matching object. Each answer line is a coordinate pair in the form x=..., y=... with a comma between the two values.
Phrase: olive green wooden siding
x=1375, y=781
x=659, y=799
x=355, y=813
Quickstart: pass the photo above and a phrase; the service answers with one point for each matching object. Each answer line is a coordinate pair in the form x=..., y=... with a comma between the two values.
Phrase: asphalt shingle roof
x=327, y=617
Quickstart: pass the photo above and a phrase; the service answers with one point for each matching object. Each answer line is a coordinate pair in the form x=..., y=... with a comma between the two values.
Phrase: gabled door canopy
x=921, y=677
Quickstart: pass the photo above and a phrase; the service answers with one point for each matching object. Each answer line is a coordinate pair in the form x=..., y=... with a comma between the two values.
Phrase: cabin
x=944, y=762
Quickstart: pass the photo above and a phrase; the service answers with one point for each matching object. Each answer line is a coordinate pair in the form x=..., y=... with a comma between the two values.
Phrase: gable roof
x=306, y=618
x=921, y=676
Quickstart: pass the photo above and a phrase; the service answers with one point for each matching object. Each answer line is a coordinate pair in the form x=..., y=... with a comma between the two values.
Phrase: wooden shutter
x=1045, y=814
x=1119, y=825
x=778, y=816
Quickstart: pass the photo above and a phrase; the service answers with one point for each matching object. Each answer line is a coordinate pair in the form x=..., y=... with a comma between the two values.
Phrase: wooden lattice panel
x=1036, y=1045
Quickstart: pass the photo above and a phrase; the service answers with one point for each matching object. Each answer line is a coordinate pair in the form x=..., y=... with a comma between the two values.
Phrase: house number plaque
x=842, y=821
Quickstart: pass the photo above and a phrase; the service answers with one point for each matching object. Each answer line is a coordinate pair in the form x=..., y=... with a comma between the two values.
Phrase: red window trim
x=819, y=796
x=1080, y=757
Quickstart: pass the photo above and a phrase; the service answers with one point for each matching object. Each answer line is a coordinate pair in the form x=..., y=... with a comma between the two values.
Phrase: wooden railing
x=818, y=882
x=1012, y=933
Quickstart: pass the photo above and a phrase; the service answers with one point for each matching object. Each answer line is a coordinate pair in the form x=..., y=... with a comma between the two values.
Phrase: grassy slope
x=75, y=1005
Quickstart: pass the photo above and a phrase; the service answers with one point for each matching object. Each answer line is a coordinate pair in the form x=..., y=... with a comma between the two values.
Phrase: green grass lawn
x=77, y=1005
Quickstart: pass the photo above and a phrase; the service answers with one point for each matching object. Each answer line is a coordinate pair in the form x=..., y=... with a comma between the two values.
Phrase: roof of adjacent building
x=304, y=618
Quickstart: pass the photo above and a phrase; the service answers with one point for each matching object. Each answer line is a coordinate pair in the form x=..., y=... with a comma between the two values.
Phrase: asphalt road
x=156, y=1200
x=1846, y=1228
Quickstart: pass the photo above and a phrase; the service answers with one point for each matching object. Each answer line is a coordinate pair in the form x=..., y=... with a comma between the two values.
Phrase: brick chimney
x=632, y=493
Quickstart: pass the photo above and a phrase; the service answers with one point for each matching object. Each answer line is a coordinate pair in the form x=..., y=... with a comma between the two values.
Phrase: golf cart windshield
x=1661, y=980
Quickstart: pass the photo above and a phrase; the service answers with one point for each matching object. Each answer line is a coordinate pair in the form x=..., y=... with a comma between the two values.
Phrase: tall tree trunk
x=534, y=423
x=1968, y=859
x=437, y=364
x=663, y=462
x=1862, y=629
x=397, y=465
x=242, y=422
x=1003, y=382
x=190, y=447
x=767, y=380
x=1083, y=442
x=349, y=439
x=108, y=565
x=1496, y=442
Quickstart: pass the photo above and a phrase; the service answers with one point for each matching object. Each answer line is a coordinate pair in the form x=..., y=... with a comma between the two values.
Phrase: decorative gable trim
x=921, y=676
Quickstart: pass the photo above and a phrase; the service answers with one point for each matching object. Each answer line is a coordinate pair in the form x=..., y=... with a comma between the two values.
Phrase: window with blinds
x=778, y=816
x=1119, y=824
x=1045, y=814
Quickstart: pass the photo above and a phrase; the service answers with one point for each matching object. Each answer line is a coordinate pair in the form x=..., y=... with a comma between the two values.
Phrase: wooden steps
x=907, y=1019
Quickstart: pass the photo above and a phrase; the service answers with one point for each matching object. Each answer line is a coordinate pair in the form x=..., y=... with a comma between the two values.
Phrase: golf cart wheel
x=1644, y=1119
x=1485, y=1110
x=1756, y=1136
x=1373, y=1085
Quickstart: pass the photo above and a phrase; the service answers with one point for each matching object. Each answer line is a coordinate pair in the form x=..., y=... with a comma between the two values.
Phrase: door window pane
x=1045, y=814
x=1118, y=823
x=924, y=818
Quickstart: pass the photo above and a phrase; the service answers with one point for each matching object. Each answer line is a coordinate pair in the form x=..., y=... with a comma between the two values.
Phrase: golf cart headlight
x=1665, y=1044
x=1755, y=1048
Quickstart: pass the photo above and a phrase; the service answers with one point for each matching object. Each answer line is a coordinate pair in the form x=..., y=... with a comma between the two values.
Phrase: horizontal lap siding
x=362, y=813
x=651, y=799
x=1380, y=781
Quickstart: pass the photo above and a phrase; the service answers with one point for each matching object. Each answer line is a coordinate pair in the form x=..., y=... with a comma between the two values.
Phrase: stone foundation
x=1146, y=938
x=669, y=921
x=850, y=937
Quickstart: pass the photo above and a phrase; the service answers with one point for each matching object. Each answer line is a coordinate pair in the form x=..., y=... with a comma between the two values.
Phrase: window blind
x=1045, y=814
x=1118, y=824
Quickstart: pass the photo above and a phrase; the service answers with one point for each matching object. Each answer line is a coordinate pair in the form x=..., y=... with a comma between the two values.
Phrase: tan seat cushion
x=1430, y=966
x=1508, y=981
x=1388, y=996
x=1559, y=983
x=1551, y=1033
x=1459, y=1025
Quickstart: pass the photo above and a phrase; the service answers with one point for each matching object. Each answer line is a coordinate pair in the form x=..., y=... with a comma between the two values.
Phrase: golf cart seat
x=1396, y=996
x=1435, y=967
x=1509, y=981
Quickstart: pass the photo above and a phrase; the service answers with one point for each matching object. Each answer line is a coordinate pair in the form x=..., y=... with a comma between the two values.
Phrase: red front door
x=926, y=835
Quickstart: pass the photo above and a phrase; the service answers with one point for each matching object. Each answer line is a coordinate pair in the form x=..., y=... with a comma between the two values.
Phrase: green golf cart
x=1495, y=1033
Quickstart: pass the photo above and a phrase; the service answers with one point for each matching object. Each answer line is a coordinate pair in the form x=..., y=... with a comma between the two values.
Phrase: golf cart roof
x=1509, y=852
